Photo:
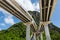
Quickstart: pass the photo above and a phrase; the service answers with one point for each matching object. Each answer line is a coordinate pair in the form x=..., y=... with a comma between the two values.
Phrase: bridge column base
x=34, y=36
x=28, y=32
x=41, y=36
x=47, y=32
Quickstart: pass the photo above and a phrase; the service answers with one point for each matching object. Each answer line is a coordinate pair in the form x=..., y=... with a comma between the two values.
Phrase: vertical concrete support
x=41, y=36
x=37, y=38
x=28, y=32
x=34, y=37
x=47, y=32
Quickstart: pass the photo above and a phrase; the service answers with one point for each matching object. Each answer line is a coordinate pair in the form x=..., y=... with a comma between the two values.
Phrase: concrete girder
x=46, y=9
x=18, y=11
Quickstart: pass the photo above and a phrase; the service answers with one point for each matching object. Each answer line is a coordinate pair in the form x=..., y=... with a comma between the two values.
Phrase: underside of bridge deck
x=46, y=9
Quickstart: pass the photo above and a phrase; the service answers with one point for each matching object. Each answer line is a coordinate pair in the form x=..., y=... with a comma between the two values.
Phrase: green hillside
x=18, y=30
x=15, y=32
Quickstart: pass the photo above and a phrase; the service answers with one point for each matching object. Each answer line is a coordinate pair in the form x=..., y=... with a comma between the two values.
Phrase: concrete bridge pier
x=47, y=32
x=28, y=32
x=41, y=36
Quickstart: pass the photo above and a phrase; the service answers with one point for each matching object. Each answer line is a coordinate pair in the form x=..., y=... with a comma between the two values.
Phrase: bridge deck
x=46, y=9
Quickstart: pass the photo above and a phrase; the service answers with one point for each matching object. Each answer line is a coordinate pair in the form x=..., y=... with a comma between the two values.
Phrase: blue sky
x=56, y=15
x=7, y=20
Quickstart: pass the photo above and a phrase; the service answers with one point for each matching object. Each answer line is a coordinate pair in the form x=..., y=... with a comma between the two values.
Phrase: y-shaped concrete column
x=47, y=32
x=41, y=30
x=28, y=32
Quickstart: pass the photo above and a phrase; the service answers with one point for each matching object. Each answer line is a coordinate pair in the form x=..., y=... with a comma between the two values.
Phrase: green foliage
x=55, y=35
x=15, y=32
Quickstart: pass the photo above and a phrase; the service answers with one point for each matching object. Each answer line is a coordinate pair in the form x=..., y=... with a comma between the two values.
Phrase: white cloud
x=28, y=5
x=9, y=20
x=8, y=17
x=36, y=6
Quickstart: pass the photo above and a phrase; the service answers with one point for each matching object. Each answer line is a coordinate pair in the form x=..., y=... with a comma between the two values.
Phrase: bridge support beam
x=34, y=37
x=41, y=36
x=28, y=32
x=47, y=32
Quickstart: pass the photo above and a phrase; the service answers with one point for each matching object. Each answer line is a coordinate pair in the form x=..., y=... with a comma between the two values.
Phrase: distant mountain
x=36, y=16
x=18, y=30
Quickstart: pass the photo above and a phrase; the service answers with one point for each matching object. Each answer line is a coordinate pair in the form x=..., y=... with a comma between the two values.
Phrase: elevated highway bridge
x=46, y=10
